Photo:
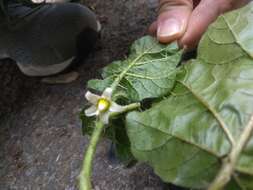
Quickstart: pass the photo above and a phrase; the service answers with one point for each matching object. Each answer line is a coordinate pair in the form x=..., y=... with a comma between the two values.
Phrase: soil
x=41, y=145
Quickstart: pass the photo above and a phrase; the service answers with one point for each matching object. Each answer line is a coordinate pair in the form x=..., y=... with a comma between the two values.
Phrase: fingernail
x=168, y=28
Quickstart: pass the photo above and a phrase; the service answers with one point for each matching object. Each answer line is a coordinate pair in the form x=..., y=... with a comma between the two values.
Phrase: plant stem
x=129, y=107
x=85, y=175
x=229, y=163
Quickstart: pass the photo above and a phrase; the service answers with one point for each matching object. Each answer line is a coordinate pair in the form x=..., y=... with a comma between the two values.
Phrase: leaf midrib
x=212, y=111
x=179, y=138
x=236, y=38
x=132, y=64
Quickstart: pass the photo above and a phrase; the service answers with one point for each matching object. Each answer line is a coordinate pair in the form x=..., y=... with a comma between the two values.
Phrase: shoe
x=43, y=40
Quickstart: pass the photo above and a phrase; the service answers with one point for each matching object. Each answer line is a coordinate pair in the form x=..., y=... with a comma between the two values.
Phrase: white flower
x=102, y=106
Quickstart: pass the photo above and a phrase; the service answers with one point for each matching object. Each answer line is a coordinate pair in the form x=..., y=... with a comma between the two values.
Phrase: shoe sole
x=31, y=70
x=99, y=26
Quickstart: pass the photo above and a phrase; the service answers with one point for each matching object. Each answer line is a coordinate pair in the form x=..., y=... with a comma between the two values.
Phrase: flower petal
x=91, y=111
x=116, y=107
x=92, y=98
x=107, y=93
x=105, y=117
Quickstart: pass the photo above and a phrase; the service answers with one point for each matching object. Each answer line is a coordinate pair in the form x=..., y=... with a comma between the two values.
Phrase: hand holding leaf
x=198, y=131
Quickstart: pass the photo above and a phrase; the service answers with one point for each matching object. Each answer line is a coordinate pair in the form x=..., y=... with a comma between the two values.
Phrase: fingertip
x=199, y=21
x=169, y=30
x=172, y=23
x=189, y=42
x=168, y=39
x=152, y=29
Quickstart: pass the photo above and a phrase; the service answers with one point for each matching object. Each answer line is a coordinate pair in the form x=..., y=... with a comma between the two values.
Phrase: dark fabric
x=6, y=5
x=3, y=8
x=48, y=35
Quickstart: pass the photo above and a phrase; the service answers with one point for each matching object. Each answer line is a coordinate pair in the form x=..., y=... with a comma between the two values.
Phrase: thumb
x=172, y=20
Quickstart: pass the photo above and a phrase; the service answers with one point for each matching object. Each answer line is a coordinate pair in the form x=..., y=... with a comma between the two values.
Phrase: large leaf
x=148, y=72
x=186, y=136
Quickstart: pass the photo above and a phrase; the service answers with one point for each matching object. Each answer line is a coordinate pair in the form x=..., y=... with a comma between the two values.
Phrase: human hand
x=186, y=20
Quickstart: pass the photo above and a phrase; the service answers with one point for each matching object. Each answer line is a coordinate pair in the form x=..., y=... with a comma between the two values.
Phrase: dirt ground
x=41, y=145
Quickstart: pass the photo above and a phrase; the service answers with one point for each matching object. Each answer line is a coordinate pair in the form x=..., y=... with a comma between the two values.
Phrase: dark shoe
x=44, y=41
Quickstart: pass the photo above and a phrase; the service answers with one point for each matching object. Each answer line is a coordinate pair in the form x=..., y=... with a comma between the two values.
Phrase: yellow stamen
x=103, y=105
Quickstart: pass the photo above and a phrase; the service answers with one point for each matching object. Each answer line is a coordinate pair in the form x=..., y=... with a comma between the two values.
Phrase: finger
x=195, y=3
x=241, y=3
x=152, y=29
x=173, y=18
x=202, y=16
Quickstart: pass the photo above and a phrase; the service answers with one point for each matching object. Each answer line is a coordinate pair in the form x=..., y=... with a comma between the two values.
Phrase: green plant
x=196, y=130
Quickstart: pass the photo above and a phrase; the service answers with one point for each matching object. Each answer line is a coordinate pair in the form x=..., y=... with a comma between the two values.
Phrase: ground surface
x=41, y=146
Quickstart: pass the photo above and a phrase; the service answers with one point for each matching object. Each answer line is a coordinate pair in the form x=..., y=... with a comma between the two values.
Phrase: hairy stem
x=129, y=107
x=85, y=175
x=229, y=163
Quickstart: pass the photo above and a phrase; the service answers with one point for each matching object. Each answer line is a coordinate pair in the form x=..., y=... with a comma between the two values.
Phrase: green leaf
x=88, y=123
x=187, y=136
x=121, y=142
x=244, y=181
x=148, y=72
